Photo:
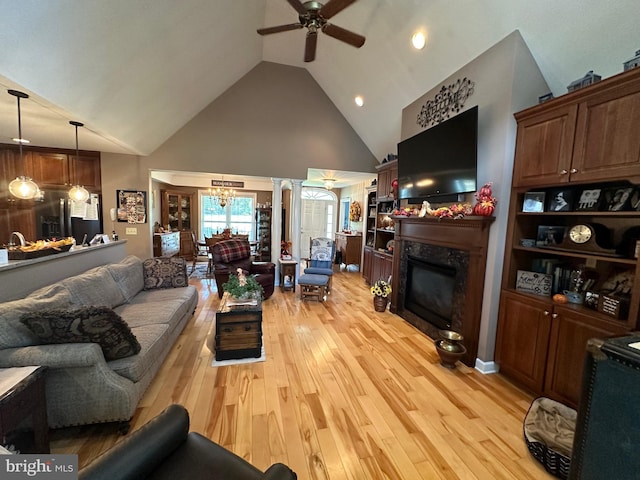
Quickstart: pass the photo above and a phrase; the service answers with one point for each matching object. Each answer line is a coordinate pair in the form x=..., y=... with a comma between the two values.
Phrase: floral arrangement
x=355, y=212
x=284, y=247
x=381, y=289
x=241, y=285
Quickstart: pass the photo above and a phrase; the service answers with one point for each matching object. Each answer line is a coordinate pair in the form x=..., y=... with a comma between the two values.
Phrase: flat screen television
x=440, y=161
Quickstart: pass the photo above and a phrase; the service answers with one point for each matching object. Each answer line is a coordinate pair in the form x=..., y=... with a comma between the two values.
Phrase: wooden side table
x=22, y=395
x=288, y=274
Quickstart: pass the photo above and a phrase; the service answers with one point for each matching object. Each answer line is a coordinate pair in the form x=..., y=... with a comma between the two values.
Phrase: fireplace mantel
x=469, y=234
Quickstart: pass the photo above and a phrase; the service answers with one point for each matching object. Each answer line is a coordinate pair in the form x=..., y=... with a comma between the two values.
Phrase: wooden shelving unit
x=588, y=139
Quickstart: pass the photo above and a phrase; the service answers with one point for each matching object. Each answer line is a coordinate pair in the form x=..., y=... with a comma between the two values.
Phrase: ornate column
x=276, y=224
x=296, y=220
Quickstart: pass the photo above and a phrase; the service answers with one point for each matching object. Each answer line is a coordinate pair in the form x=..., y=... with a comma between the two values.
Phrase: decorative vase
x=450, y=348
x=380, y=303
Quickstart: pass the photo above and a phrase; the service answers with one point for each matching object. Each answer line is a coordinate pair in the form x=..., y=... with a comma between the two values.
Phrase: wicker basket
x=547, y=452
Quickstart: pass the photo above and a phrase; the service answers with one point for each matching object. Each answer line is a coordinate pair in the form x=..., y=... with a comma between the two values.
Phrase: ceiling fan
x=314, y=16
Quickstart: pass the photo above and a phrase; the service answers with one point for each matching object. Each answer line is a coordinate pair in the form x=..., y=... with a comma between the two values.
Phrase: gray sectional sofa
x=153, y=299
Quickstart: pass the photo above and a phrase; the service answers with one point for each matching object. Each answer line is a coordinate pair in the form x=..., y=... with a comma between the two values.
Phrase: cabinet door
x=570, y=331
x=523, y=335
x=49, y=169
x=384, y=184
x=85, y=170
x=367, y=265
x=185, y=203
x=387, y=267
x=608, y=135
x=171, y=210
x=544, y=147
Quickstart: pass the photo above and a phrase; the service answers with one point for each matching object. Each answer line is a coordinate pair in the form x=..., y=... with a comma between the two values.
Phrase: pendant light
x=22, y=187
x=78, y=193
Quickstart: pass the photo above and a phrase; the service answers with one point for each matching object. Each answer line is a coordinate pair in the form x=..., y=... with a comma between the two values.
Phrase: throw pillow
x=232, y=250
x=165, y=272
x=99, y=325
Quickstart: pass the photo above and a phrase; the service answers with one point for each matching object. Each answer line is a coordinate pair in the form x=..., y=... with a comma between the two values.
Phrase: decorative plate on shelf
x=390, y=245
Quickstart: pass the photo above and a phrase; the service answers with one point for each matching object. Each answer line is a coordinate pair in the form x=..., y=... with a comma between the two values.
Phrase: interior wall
x=275, y=121
x=507, y=79
x=357, y=193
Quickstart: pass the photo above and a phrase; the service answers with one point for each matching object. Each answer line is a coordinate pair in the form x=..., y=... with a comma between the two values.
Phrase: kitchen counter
x=18, y=278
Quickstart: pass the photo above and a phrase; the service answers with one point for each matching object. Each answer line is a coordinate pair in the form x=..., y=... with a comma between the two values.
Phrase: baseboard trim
x=487, y=367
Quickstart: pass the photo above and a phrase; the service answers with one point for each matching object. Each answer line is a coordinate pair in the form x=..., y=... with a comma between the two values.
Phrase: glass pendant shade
x=23, y=187
x=79, y=194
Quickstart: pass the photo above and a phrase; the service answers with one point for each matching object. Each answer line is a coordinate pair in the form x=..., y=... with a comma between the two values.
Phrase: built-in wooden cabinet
x=585, y=140
x=61, y=170
x=51, y=169
x=589, y=135
x=387, y=172
x=379, y=244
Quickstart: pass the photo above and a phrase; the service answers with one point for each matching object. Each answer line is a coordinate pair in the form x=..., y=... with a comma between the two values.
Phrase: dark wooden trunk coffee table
x=238, y=332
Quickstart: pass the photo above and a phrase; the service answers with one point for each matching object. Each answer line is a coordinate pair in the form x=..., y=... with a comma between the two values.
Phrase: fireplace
x=438, y=275
x=429, y=291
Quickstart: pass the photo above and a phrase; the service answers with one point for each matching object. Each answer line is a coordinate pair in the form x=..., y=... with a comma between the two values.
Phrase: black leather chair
x=165, y=449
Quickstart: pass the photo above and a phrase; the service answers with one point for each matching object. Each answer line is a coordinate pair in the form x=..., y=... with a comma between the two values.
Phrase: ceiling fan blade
x=343, y=35
x=279, y=28
x=298, y=6
x=310, y=47
x=332, y=7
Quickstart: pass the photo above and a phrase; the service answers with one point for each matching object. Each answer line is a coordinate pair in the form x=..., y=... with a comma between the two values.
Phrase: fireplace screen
x=429, y=291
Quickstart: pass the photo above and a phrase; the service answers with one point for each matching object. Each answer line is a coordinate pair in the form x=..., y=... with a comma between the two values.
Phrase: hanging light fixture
x=222, y=195
x=329, y=183
x=22, y=187
x=78, y=193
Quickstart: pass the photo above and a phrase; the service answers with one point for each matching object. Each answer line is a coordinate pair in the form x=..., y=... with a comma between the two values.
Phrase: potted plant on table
x=242, y=287
x=380, y=291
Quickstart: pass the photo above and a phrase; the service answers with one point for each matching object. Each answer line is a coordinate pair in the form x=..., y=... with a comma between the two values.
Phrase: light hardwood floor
x=345, y=393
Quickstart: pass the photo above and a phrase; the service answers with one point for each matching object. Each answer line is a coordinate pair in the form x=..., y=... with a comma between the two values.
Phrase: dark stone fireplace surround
x=461, y=244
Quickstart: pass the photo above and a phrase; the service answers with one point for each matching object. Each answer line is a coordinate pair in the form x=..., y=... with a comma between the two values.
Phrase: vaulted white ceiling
x=135, y=71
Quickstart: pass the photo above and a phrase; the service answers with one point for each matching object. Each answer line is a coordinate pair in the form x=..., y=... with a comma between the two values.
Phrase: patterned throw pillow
x=165, y=272
x=99, y=325
x=232, y=250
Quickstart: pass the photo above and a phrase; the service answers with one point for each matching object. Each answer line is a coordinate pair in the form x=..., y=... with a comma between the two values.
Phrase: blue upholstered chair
x=321, y=253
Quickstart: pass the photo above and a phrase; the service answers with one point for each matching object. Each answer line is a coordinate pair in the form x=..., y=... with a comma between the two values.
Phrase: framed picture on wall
x=132, y=206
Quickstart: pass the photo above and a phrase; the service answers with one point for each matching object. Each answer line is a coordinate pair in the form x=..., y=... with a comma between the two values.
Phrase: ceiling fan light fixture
x=359, y=100
x=419, y=40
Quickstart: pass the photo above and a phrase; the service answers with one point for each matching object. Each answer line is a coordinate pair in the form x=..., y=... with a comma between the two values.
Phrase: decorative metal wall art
x=450, y=99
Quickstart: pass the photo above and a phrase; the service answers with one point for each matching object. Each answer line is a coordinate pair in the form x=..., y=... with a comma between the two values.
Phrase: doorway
x=318, y=216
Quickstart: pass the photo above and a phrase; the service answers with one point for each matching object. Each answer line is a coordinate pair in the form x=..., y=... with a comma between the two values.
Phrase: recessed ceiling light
x=418, y=40
x=359, y=100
